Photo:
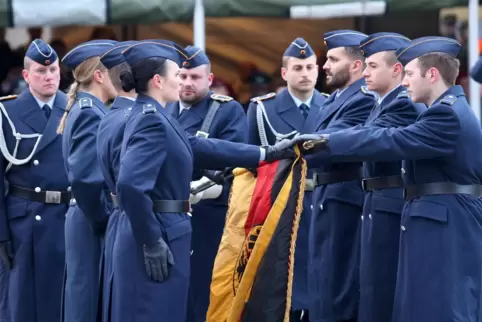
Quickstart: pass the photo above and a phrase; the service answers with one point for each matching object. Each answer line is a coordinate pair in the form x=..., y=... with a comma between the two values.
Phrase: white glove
x=212, y=192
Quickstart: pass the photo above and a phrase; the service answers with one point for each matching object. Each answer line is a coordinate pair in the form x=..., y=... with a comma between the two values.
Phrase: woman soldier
x=86, y=219
x=157, y=161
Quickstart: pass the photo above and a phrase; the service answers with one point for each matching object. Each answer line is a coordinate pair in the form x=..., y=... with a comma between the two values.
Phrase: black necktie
x=304, y=110
x=46, y=110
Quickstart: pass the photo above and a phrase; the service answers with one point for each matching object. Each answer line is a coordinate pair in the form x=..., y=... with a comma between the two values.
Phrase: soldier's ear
x=283, y=73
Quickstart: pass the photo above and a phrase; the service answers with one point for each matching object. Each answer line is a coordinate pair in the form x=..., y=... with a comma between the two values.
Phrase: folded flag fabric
x=253, y=271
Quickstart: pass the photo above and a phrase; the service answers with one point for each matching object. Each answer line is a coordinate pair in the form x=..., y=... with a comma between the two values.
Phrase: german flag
x=253, y=271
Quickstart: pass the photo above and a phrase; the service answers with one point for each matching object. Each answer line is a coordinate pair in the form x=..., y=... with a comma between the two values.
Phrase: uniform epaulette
x=263, y=97
x=85, y=103
x=8, y=97
x=403, y=94
x=365, y=91
x=148, y=109
x=221, y=98
x=325, y=94
x=448, y=100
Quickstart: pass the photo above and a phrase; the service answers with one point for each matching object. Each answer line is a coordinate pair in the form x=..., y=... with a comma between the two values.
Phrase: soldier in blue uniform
x=382, y=181
x=440, y=261
x=158, y=158
x=86, y=219
x=109, y=139
x=338, y=197
x=204, y=114
x=34, y=190
x=272, y=117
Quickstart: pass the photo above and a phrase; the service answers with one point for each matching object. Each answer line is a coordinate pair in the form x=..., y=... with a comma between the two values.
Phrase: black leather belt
x=45, y=196
x=441, y=188
x=174, y=206
x=321, y=178
x=378, y=183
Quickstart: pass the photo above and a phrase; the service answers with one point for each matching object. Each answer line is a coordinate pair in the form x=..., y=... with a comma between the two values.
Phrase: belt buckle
x=201, y=134
x=53, y=197
x=309, y=186
x=315, y=180
x=364, y=184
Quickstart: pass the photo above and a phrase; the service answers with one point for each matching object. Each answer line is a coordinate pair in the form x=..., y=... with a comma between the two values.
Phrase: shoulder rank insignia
x=263, y=97
x=365, y=91
x=448, y=100
x=221, y=98
x=85, y=103
x=403, y=94
x=325, y=94
x=148, y=109
x=7, y=98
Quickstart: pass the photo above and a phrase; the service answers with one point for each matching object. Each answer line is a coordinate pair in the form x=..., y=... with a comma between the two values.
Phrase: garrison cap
x=41, y=52
x=382, y=41
x=343, y=38
x=113, y=56
x=87, y=50
x=425, y=45
x=147, y=49
x=299, y=48
x=196, y=57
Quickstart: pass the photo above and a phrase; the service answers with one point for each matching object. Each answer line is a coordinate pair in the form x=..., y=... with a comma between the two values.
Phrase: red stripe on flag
x=261, y=200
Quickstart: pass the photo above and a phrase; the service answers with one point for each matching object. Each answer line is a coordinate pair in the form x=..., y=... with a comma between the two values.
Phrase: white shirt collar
x=298, y=102
x=380, y=100
x=41, y=104
x=129, y=98
x=183, y=107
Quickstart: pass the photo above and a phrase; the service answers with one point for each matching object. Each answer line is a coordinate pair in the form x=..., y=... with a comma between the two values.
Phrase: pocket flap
x=390, y=205
x=178, y=229
x=429, y=210
x=16, y=207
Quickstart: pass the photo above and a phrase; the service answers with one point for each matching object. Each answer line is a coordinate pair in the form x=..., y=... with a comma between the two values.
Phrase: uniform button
x=35, y=162
x=37, y=189
x=361, y=217
x=370, y=216
x=402, y=171
x=69, y=188
x=403, y=228
x=311, y=207
x=191, y=252
x=189, y=214
x=38, y=218
x=321, y=207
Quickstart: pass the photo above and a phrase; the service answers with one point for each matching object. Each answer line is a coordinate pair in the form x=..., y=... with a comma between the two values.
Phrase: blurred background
x=243, y=38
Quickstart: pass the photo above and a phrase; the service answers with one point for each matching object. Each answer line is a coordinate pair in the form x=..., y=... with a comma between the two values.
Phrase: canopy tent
x=24, y=13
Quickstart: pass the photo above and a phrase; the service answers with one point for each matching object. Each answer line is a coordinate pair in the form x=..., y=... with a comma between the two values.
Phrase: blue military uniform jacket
x=34, y=228
x=334, y=231
x=109, y=142
x=285, y=117
x=381, y=213
x=229, y=124
x=81, y=160
x=443, y=145
x=109, y=139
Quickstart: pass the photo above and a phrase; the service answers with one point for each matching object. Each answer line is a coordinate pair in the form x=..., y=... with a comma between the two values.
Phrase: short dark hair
x=447, y=66
x=355, y=53
x=115, y=73
x=141, y=72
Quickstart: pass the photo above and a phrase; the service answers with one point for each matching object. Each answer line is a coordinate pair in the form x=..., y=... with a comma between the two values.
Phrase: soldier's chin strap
x=12, y=158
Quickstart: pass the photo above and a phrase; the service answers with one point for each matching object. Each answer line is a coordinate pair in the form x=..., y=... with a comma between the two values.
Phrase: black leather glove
x=6, y=254
x=279, y=151
x=158, y=258
x=311, y=143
